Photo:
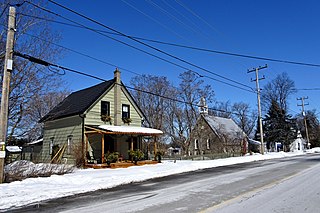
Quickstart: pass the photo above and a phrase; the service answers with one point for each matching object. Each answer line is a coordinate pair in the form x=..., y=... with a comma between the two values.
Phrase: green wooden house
x=94, y=121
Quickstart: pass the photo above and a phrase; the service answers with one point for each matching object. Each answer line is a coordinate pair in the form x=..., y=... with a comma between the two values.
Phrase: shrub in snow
x=23, y=169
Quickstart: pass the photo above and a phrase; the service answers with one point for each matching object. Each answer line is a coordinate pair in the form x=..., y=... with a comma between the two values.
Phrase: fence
x=201, y=157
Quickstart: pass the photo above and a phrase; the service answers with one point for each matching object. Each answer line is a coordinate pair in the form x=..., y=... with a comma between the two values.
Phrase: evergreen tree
x=278, y=127
x=313, y=125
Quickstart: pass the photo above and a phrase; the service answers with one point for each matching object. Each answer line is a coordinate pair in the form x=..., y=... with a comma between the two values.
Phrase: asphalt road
x=208, y=190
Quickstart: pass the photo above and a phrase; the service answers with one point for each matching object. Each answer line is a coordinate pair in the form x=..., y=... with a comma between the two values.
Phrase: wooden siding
x=136, y=118
x=60, y=130
x=93, y=114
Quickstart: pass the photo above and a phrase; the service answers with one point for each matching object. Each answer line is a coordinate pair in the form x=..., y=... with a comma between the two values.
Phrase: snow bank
x=23, y=169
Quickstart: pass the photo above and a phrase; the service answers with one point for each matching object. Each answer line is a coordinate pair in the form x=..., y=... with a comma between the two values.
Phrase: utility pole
x=256, y=70
x=304, y=117
x=6, y=88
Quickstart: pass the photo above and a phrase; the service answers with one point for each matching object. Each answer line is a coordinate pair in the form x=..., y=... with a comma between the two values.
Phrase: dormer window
x=125, y=111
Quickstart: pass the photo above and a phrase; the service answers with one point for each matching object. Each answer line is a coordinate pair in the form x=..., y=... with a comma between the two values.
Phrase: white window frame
x=51, y=143
x=69, y=144
x=208, y=143
x=126, y=110
x=196, y=144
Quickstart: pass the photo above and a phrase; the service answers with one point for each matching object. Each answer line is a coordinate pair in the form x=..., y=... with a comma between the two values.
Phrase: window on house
x=196, y=144
x=105, y=108
x=125, y=111
x=69, y=144
x=208, y=143
x=51, y=145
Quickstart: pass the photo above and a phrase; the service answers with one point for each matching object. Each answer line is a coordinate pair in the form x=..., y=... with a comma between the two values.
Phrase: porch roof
x=128, y=130
x=131, y=130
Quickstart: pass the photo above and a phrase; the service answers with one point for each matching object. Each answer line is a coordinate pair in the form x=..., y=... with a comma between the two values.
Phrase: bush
x=77, y=154
x=136, y=155
x=112, y=157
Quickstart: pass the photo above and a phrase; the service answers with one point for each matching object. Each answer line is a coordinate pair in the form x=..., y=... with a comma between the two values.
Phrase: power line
x=48, y=64
x=153, y=19
x=173, y=17
x=78, y=25
x=308, y=89
x=75, y=51
x=4, y=10
x=147, y=45
x=86, y=55
x=189, y=47
x=83, y=54
x=196, y=15
x=125, y=69
x=153, y=55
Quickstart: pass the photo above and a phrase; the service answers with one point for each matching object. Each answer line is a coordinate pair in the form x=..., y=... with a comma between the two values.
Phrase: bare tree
x=159, y=101
x=184, y=115
x=279, y=90
x=151, y=94
x=221, y=109
x=30, y=81
x=244, y=117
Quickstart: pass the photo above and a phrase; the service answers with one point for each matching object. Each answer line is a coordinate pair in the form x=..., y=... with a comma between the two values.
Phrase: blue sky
x=287, y=30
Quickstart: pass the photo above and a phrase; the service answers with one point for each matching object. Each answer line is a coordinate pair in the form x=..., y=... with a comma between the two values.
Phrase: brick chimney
x=117, y=99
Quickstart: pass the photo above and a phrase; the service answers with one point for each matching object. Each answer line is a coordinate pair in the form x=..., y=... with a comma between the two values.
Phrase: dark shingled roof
x=78, y=102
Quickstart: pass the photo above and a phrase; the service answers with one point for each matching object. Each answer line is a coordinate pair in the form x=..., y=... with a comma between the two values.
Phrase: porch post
x=86, y=147
x=102, y=148
x=131, y=148
x=155, y=148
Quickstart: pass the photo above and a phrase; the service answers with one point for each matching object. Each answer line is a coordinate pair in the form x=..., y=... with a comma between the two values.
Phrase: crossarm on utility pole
x=304, y=118
x=256, y=70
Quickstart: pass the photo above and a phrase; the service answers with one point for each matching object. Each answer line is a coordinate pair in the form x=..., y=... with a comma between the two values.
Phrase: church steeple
x=202, y=106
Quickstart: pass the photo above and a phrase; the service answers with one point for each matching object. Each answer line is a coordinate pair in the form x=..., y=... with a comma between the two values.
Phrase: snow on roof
x=35, y=142
x=131, y=129
x=254, y=142
x=224, y=126
x=14, y=148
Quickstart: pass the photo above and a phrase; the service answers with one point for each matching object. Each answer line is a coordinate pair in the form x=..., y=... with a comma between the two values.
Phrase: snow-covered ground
x=33, y=190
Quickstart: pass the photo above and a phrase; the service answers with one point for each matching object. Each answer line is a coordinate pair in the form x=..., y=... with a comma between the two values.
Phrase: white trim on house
x=131, y=129
x=35, y=142
x=196, y=144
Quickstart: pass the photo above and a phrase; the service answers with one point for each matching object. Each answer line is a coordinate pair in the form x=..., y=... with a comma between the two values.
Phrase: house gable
x=93, y=113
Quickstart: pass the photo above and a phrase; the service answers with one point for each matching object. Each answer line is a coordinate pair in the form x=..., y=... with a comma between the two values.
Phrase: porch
x=106, y=139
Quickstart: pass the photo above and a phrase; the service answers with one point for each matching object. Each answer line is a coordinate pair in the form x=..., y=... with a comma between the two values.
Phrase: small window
x=51, y=145
x=69, y=144
x=208, y=143
x=196, y=144
x=125, y=111
x=105, y=108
